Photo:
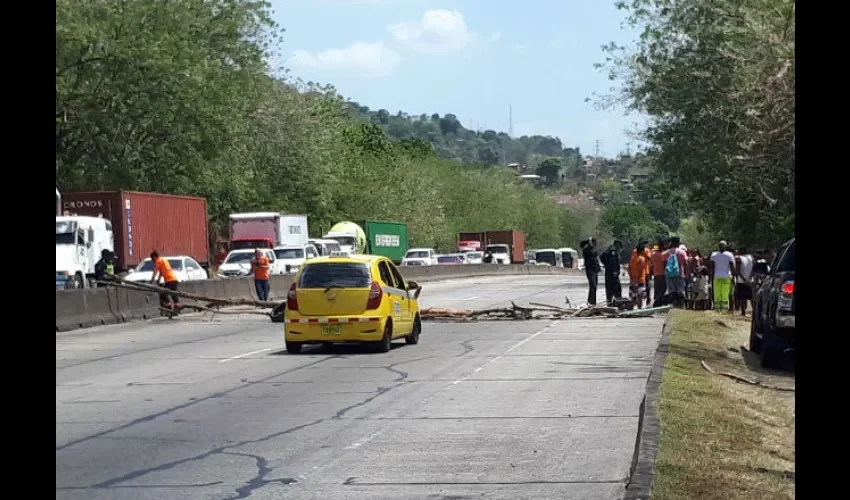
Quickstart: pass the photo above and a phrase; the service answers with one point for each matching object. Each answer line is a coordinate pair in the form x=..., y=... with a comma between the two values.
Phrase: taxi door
x=406, y=299
x=394, y=294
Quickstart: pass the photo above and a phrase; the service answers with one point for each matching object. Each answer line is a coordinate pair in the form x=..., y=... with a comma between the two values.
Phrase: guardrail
x=104, y=306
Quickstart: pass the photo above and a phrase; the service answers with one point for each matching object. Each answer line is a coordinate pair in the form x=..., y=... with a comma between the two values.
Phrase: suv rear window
x=789, y=259
x=335, y=274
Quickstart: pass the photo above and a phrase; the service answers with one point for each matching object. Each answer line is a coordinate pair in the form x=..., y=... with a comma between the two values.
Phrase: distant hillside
x=453, y=141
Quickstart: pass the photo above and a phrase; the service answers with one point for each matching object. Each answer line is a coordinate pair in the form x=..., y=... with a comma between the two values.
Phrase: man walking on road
x=260, y=268
x=591, y=268
x=611, y=260
x=675, y=269
x=722, y=265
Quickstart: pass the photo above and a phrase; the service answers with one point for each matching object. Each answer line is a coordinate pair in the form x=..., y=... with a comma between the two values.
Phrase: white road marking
x=471, y=298
x=245, y=355
x=366, y=440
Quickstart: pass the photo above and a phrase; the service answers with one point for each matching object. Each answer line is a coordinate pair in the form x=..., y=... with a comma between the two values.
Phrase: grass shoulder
x=721, y=438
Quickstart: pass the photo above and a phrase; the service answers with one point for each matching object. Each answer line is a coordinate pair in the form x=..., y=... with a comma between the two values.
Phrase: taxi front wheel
x=294, y=347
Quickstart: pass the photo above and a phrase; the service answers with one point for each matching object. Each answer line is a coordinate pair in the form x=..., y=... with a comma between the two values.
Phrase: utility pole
x=596, y=155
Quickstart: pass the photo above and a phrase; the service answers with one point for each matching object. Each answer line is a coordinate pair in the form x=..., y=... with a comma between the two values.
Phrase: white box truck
x=267, y=230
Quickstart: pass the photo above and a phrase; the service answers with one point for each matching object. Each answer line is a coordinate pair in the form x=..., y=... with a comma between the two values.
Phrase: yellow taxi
x=351, y=298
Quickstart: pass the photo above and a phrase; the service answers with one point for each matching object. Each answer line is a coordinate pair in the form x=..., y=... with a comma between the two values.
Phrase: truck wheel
x=76, y=282
x=771, y=357
x=413, y=338
x=293, y=347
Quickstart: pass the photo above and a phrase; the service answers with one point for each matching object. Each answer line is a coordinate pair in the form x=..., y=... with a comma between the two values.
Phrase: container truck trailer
x=138, y=222
x=507, y=247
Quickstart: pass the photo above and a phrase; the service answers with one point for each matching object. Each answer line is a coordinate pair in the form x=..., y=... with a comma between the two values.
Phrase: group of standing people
x=675, y=275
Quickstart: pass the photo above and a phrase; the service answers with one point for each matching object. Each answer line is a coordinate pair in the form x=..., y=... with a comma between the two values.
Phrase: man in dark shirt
x=104, y=267
x=611, y=260
x=591, y=268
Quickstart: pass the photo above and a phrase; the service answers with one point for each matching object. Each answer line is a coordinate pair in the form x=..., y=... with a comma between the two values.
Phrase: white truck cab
x=291, y=257
x=501, y=253
x=79, y=244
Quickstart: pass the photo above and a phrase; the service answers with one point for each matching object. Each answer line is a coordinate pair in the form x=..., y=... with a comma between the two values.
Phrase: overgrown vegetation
x=176, y=97
x=721, y=439
x=717, y=80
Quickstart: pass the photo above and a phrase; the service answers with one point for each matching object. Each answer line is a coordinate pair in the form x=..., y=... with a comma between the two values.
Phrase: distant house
x=516, y=166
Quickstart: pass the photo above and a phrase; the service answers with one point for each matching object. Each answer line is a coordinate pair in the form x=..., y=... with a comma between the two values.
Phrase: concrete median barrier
x=103, y=306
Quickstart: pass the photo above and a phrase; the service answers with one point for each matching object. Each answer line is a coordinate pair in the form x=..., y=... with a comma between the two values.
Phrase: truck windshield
x=497, y=248
x=416, y=255
x=248, y=244
x=147, y=265
x=65, y=231
x=238, y=258
x=289, y=253
x=336, y=275
x=344, y=240
x=547, y=257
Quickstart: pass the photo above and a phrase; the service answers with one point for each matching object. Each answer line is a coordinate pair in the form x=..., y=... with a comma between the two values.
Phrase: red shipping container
x=143, y=222
x=515, y=239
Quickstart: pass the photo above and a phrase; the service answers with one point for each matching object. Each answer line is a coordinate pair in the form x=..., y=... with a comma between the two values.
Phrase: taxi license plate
x=331, y=330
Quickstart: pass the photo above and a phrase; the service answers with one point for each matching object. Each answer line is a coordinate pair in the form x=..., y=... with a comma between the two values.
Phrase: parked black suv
x=774, y=305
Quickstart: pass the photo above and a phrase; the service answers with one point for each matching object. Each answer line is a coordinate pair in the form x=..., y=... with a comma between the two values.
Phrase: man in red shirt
x=260, y=266
x=657, y=269
x=161, y=267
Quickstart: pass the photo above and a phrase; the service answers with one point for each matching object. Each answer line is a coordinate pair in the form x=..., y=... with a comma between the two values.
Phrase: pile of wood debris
x=537, y=311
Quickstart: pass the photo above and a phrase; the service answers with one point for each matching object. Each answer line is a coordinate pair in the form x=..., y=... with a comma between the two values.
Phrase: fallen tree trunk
x=550, y=312
x=210, y=301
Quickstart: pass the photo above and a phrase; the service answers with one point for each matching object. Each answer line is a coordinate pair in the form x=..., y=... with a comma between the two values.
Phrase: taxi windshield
x=335, y=274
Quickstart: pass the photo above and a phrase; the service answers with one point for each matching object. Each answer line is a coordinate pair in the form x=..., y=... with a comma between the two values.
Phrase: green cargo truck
x=388, y=239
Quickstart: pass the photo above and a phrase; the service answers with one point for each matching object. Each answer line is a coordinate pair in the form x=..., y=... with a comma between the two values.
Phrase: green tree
x=630, y=223
x=718, y=81
x=550, y=170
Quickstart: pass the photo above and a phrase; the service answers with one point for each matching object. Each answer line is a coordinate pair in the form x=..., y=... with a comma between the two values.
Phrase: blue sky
x=472, y=58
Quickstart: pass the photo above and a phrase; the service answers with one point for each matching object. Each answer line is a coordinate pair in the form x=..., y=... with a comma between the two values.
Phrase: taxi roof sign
x=339, y=253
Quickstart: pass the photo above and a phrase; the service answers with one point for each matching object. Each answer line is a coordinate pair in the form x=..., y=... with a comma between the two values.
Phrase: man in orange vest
x=260, y=267
x=161, y=267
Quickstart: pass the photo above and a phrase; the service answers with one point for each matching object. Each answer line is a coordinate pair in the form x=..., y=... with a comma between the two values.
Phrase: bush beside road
x=720, y=438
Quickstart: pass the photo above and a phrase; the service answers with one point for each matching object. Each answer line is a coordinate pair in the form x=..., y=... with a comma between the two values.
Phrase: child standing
x=701, y=290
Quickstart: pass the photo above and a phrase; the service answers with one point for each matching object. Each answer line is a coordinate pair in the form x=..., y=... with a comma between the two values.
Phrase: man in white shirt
x=743, y=280
x=722, y=264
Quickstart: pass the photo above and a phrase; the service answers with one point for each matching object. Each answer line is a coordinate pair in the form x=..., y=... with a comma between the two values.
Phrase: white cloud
x=376, y=59
x=439, y=31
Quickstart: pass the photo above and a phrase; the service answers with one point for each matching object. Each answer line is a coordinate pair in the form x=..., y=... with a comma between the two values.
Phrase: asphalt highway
x=196, y=408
